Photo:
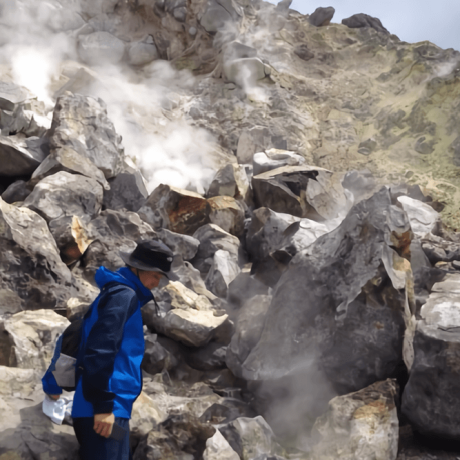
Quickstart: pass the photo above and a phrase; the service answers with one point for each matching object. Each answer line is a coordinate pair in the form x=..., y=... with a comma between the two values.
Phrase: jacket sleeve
x=102, y=345
x=50, y=387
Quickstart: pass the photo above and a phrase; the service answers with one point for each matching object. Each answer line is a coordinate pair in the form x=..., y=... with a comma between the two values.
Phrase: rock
x=212, y=238
x=224, y=269
x=100, y=48
x=64, y=194
x=361, y=184
x=283, y=5
x=437, y=249
x=273, y=159
x=243, y=288
x=27, y=118
x=282, y=190
x=227, y=213
x=193, y=328
x=65, y=19
x=237, y=50
x=16, y=159
x=93, y=136
x=12, y=95
x=126, y=192
x=156, y=358
x=217, y=448
x=360, y=425
x=304, y=52
x=217, y=14
x=322, y=16
x=423, y=218
x=16, y=192
x=184, y=245
x=27, y=247
x=79, y=81
x=10, y=302
x=68, y=160
x=95, y=7
x=208, y=358
x=142, y=53
x=248, y=329
x=364, y=20
x=435, y=368
x=76, y=308
x=332, y=305
x=250, y=438
x=246, y=71
x=232, y=181
x=146, y=415
x=27, y=338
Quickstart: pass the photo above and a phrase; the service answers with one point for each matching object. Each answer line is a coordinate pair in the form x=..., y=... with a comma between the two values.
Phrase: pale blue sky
x=411, y=20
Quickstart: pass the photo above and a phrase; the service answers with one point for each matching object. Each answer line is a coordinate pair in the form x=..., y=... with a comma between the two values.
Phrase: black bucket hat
x=151, y=256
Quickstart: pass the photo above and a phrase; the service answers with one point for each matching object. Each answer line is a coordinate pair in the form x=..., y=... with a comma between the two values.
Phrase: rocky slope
x=305, y=175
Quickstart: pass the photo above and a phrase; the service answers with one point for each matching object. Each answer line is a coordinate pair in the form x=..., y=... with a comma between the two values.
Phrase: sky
x=411, y=20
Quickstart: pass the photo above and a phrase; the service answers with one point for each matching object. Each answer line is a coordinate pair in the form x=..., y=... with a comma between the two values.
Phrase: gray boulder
x=430, y=400
x=142, y=53
x=323, y=300
x=81, y=123
x=217, y=14
x=64, y=194
x=243, y=288
x=273, y=159
x=361, y=20
x=231, y=180
x=182, y=245
x=16, y=159
x=127, y=191
x=322, y=16
x=16, y=192
x=423, y=218
x=12, y=95
x=224, y=269
x=100, y=48
x=30, y=262
x=208, y=358
x=218, y=448
x=227, y=213
x=360, y=425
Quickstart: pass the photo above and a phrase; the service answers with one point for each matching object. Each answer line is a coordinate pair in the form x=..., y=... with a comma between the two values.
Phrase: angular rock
x=361, y=20
x=423, y=218
x=27, y=118
x=324, y=298
x=283, y=5
x=322, y=16
x=430, y=400
x=273, y=159
x=11, y=95
x=208, y=358
x=68, y=160
x=245, y=71
x=218, y=448
x=126, y=192
x=183, y=245
x=142, y=53
x=304, y=52
x=81, y=123
x=232, y=181
x=16, y=160
x=227, y=213
x=27, y=338
x=16, y=192
x=29, y=260
x=100, y=48
x=146, y=415
x=10, y=302
x=243, y=288
x=360, y=425
x=217, y=14
x=64, y=194
x=224, y=269
x=237, y=50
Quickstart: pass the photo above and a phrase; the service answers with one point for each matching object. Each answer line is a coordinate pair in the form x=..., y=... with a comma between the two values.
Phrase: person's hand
x=103, y=424
x=55, y=397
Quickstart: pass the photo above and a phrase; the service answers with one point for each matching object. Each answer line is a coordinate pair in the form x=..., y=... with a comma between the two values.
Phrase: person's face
x=150, y=280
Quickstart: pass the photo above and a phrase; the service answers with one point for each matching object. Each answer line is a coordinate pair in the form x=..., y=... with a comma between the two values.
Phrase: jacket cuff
x=105, y=407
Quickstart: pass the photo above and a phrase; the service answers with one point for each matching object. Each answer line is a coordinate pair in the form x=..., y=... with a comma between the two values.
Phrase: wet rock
x=364, y=20
x=16, y=192
x=273, y=159
x=429, y=401
x=68, y=160
x=360, y=425
x=224, y=269
x=184, y=245
x=232, y=181
x=146, y=415
x=303, y=52
x=142, y=53
x=248, y=329
x=322, y=16
x=27, y=338
x=94, y=135
x=64, y=194
x=100, y=48
x=218, y=448
x=227, y=213
x=27, y=247
x=423, y=218
x=126, y=192
x=327, y=289
x=16, y=159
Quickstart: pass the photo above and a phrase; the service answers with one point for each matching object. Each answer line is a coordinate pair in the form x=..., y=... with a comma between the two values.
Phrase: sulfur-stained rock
x=27, y=338
x=100, y=48
x=227, y=213
x=126, y=192
x=224, y=269
x=218, y=448
x=16, y=160
x=322, y=16
x=183, y=245
x=273, y=159
x=435, y=369
x=81, y=123
x=64, y=194
x=364, y=20
x=16, y=192
x=360, y=425
x=29, y=259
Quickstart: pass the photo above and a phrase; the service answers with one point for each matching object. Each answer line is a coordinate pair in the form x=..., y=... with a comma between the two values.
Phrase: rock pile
x=308, y=297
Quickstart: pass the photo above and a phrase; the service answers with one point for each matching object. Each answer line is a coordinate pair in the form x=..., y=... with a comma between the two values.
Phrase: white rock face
x=423, y=218
x=217, y=448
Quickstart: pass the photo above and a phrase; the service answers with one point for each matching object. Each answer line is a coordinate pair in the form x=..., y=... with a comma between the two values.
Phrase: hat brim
x=128, y=260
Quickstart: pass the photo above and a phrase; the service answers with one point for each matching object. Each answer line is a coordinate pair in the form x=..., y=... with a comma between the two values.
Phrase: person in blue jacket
x=111, y=352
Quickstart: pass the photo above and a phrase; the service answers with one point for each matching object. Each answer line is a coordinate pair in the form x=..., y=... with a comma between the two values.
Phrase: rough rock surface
x=16, y=159
x=322, y=16
x=364, y=20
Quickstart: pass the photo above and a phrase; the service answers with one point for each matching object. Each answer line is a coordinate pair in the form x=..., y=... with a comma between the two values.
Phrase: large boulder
x=361, y=425
x=361, y=20
x=27, y=338
x=127, y=191
x=29, y=260
x=100, y=48
x=81, y=123
x=16, y=192
x=322, y=16
x=64, y=194
x=231, y=180
x=142, y=53
x=218, y=13
x=227, y=213
x=12, y=95
x=430, y=400
x=183, y=245
x=324, y=300
x=224, y=269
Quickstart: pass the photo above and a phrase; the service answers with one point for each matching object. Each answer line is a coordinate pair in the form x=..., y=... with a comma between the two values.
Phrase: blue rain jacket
x=112, y=346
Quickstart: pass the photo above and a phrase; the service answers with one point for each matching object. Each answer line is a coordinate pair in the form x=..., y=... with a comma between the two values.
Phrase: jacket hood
x=123, y=276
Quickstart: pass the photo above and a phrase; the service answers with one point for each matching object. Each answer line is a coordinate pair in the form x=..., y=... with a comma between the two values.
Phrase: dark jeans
x=96, y=447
